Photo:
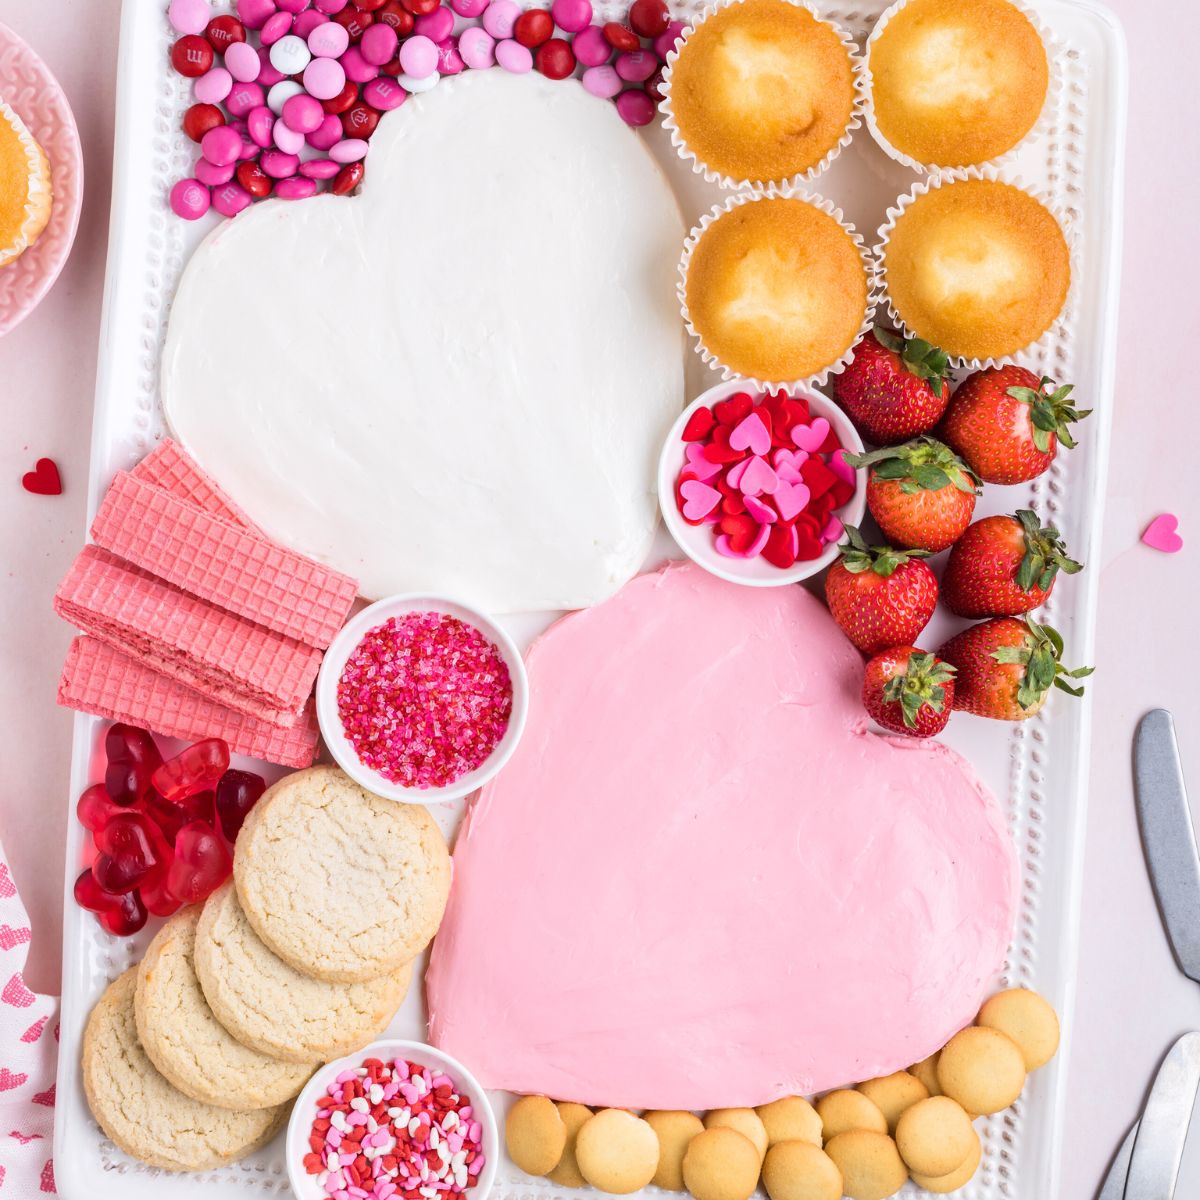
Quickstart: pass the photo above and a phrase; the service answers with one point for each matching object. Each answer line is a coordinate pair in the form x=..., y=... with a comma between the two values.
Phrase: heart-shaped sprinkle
x=811, y=437
x=758, y=477
x=698, y=500
x=1163, y=534
x=760, y=511
x=791, y=499
x=733, y=409
x=780, y=550
x=44, y=479
x=794, y=459
x=732, y=506
x=751, y=434
x=719, y=450
x=833, y=530
x=818, y=476
x=734, y=475
x=841, y=468
x=808, y=539
x=699, y=425
x=701, y=466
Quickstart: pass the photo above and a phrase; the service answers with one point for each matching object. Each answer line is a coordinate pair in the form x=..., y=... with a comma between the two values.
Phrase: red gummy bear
x=195, y=769
x=133, y=757
x=202, y=863
x=129, y=849
x=127, y=918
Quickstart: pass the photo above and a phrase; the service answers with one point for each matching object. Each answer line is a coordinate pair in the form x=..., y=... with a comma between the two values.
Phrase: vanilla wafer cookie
x=341, y=884
x=142, y=1113
x=186, y=1042
x=170, y=467
x=269, y=1006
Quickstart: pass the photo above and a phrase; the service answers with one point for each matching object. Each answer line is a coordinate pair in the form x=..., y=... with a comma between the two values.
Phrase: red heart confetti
x=44, y=479
x=699, y=425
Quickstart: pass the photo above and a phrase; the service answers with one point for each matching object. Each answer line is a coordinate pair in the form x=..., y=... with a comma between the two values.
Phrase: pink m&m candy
x=306, y=22
x=295, y=188
x=499, y=18
x=286, y=138
x=221, y=145
x=378, y=44
x=267, y=75
x=241, y=61
x=211, y=175
x=329, y=7
x=278, y=164
x=329, y=40
x=213, y=87
x=636, y=66
x=669, y=39
x=189, y=16
x=635, y=107
x=477, y=48
x=384, y=94
x=571, y=16
x=260, y=125
x=276, y=29
x=243, y=97
x=419, y=57
x=319, y=168
x=346, y=151
x=591, y=47
x=293, y=6
x=303, y=113
x=190, y=199
x=324, y=78
x=230, y=199
x=449, y=60
x=328, y=134
x=514, y=57
x=602, y=81
x=254, y=14
x=468, y=8
x=437, y=26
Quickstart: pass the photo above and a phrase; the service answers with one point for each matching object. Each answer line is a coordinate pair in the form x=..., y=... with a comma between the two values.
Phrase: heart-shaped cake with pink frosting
x=703, y=881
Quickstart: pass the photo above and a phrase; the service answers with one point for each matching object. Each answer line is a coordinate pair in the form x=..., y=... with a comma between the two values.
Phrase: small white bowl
x=696, y=541
x=335, y=661
x=304, y=1111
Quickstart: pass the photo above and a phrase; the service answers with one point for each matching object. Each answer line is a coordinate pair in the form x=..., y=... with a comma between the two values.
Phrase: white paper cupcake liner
x=711, y=175
x=1042, y=126
x=948, y=178
x=777, y=192
x=37, y=205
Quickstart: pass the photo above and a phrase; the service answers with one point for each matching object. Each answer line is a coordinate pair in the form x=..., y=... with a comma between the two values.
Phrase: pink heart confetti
x=763, y=514
x=811, y=437
x=16, y=993
x=752, y=551
x=758, y=477
x=700, y=466
x=794, y=459
x=792, y=499
x=789, y=474
x=8, y=1080
x=750, y=434
x=840, y=467
x=1163, y=534
x=833, y=530
x=699, y=499
x=734, y=475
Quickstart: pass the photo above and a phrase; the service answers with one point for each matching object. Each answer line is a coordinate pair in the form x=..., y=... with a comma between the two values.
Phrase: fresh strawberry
x=1008, y=424
x=1004, y=566
x=909, y=691
x=879, y=596
x=1007, y=666
x=921, y=494
x=893, y=389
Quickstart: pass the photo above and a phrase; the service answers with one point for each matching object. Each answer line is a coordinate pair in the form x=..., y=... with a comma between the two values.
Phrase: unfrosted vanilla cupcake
x=25, y=196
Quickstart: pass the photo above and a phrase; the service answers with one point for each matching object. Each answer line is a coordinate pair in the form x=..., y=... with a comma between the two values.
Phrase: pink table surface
x=1131, y=1000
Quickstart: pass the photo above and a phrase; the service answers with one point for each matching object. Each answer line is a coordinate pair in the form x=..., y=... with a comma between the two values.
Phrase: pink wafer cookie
x=222, y=563
x=170, y=467
x=234, y=661
x=98, y=678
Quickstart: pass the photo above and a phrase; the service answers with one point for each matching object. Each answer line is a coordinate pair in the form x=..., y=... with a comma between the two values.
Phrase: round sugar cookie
x=617, y=1152
x=339, y=883
x=790, y=1119
x=721, y=1164
x=983, y=1069
x=746, y=1121
x=926, y=1072
x=273, y=1008
x=871, y=1166
x=535, y=1135
x=1028, y=1019
x=142, y=1113
x=845, y=1109
x=567, y=1174
x=935, y=1136
x=798, y=1170
x=674, y=1130
x=186, y=1043
x=892, y=1094
x=940, y=1185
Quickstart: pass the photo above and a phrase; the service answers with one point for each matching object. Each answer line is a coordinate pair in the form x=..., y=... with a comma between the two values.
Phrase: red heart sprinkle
x=719, y=450
x=730, y=411
x=44, y=479
x=780, y=550
x=810, y=545
x=817, y=476
x=699, y=425
x=841, y=492
x=733, y=506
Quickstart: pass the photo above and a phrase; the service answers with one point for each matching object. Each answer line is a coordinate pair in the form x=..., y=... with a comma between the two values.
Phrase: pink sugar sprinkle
x=424, y=699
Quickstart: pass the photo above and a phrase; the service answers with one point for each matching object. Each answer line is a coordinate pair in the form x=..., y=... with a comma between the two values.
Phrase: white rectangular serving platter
x=1038, y=769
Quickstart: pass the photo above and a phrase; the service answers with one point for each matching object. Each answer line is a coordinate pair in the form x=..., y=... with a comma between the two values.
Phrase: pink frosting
x=701, y=881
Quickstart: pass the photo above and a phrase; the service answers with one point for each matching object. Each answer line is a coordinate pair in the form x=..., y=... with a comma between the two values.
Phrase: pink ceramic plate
x=37, y=99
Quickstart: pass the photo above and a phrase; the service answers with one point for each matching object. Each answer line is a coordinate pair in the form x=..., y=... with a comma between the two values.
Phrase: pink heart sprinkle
x=734, y=476
x=758, y=477
x=750, y=434
x=723, y=546
x=788, y=474
x=759, y=511
x=840, y=467
x=700, y=466
x=811, y=437
x=792, y=499
x=752, y=551
x=790, y=458
x=699, y=499
x=1162, y=534
x=833, y=530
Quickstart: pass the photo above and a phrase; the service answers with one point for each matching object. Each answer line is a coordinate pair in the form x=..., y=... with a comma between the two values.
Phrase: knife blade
x=1168, y=837
x=1162, y=1131
x=1113, y=1187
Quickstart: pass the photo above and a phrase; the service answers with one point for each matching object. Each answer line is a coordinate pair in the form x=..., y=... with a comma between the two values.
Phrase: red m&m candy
x=533, y=28
x=555, y=59
x=192, y=56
